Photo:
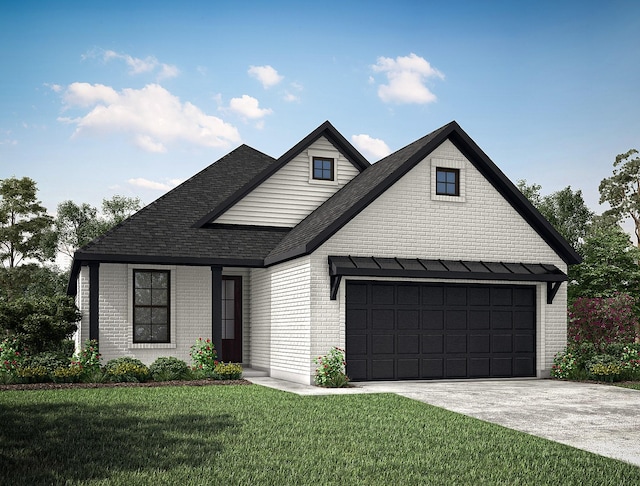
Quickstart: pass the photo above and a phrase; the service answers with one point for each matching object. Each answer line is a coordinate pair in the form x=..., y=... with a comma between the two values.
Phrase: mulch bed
x=150, y=384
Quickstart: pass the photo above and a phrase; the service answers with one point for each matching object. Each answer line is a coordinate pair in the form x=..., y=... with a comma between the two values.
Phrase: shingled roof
x=338, y=210
x=177, y=229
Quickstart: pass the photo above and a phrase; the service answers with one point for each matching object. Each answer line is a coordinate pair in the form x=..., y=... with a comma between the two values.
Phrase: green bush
x=331, y=369
x=33, y=374
x=126, y=369
x=227, y=371
x=50, y=360
x=67, y=374
x=564, y=366
x=89, y=357
x=168, y=369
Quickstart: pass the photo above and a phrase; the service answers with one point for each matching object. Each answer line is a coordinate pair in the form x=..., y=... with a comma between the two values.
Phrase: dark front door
x=231, y=319
x=404, y=330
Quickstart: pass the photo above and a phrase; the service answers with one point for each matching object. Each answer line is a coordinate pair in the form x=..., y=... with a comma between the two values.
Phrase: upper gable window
x=447, y=182
x=323, y=169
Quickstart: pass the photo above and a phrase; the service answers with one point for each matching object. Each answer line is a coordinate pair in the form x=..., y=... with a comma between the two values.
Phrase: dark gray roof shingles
x=165, y=228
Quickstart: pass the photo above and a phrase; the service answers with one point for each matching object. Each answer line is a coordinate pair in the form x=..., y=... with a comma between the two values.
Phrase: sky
x=132, y=98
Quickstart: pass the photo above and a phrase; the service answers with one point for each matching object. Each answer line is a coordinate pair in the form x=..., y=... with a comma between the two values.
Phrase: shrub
x=564, y=366
x=126, y=369
x=331, y=369
x=41, y=324
x=11, y=355
x=602, y=321
x=88, y=357
x=50, y=360
x=67, y=374
x=33, y=374
x=227, y=371
x=204, y=356
x=168, y=369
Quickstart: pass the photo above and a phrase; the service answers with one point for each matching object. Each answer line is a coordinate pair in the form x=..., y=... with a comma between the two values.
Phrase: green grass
x=250, y=435
x=634, y=385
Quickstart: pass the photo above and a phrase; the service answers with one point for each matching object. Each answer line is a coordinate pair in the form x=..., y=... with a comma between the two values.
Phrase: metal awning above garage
x=351, y=266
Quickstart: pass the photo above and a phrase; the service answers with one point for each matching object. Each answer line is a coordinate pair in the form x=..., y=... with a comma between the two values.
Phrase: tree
x=25, y=227
x=609, y=264
x=76, y=225
x=564, y=209
x=622, y=189
x=32, y=281
x=119, y=208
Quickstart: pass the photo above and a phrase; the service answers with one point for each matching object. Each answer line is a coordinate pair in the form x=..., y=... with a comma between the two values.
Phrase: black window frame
x=331, y=169
x=152, y=306
x=448, y=185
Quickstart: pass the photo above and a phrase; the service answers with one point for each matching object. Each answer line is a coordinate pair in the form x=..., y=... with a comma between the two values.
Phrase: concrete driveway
x=597, y=418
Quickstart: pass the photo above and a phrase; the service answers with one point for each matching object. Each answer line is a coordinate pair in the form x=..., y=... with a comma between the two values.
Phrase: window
x=151, y=306
x=447, y=182
x=323, y=168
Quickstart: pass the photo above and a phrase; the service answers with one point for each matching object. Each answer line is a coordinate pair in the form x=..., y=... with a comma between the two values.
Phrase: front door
x=231, y=319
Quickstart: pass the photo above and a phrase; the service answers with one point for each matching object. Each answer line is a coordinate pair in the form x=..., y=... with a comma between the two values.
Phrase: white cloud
x=266, y=75
x=56, y=88
x=248, y=107
x=158, y=186
x=152, y=116
x=372, y=147
x=137, y=65
x=406, y=76
x=290, y=97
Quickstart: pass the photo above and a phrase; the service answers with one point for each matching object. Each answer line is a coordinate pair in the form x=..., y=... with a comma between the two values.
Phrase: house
x=427, y=264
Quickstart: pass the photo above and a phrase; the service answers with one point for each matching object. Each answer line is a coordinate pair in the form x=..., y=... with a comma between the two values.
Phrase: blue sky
x=104, y=98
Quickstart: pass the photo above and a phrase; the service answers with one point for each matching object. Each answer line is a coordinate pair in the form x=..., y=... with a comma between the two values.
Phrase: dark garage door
x=404, y=330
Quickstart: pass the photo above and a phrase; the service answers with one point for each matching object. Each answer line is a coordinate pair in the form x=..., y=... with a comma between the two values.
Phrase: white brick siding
x=288, y=196
x=404, y=222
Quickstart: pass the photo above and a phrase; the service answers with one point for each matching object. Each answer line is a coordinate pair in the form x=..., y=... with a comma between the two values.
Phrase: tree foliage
x=26, y=230
x=564, y=209
x=622, y=189
x=609, y=265
x=78, y=224
x=40, y=324
x=32, y=281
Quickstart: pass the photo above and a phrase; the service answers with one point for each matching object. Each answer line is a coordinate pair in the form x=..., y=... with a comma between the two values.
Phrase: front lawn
x=254, y=435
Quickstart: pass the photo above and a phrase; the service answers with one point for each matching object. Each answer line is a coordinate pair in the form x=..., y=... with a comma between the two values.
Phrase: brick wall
x=407, y=222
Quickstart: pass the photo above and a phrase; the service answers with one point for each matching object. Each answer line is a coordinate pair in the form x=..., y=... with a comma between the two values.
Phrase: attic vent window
x=323, y=169
x=447, y=182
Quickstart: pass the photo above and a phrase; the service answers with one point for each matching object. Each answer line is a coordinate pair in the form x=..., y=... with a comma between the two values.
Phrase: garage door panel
x=432, y=295
x=479, y=296
x=456, y=296
x=524, y=343
x=433, y=319
x=408, y=319
x=408, y=295
x=456, y=343
x=501, y=367
x=408, y=344
x=409, y=369
x=456, y=368
x=383, y=344
x=383, y=294
x=400, y=330
x=382, y=319
x=479, y=343
x=479, y=367
x=501, y=320
x=524, y=366
x=433, y=368
x=479, y=319
x=524, y=320
x=501, y=296
x=502, y=343
x=433, y=343
x=357, y=344
x=383, y=369
x=357, y=319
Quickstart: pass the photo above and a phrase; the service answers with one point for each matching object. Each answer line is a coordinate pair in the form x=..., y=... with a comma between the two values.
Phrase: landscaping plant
x=168, y=369
x=126, y=369
x=204, y=356
x=227, y=371
x=331, y=369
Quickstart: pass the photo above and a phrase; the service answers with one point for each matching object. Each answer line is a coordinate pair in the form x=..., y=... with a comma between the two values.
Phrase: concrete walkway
x=596, y=418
